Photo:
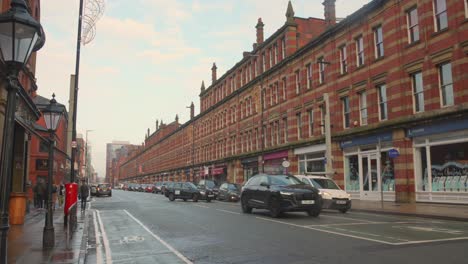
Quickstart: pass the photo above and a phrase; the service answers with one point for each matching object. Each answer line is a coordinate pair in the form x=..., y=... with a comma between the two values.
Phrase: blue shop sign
x=367, y=140
x=393, y=153
x=438, y=128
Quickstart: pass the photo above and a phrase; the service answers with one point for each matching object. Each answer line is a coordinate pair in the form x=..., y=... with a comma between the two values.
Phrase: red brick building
x=391, y=79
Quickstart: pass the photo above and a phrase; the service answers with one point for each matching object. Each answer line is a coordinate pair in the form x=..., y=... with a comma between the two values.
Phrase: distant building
x=112, y=151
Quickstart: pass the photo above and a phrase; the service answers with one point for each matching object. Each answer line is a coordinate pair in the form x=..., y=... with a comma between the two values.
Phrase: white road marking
x=177, y=253
x=327, y=231
x=347, y=218
x=231, y=212
x=432, y=229
x=202, y=206
x=370, y=223
x=430, y=241
x=98, y=240
x=105, y=240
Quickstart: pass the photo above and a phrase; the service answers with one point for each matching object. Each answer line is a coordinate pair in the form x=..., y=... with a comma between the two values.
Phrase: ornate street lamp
x=20, y=35
x=52, y=114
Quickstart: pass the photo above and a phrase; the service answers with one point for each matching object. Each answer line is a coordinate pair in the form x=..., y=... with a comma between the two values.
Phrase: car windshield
x=191, y=185
x=210, y=184
x=103, y=185
x=325, y=184
x=284, y=180
x=234, y=187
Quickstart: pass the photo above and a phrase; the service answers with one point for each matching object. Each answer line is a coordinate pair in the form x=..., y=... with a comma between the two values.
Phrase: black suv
x=206, y=188
x=184, y=191
x=280, y=193
x=229, y=191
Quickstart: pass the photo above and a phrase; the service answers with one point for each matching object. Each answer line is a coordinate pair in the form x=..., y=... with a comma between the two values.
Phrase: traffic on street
x=139, y=227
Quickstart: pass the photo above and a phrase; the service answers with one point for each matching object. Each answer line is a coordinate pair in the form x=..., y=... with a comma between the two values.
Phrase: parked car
x=104, y=189
x=167, y=188
x=149, y=188
x=280, y=193
x=332, y=195
x=206, y=190
x=157, y=187
x=164, y=186
x=184, y=191
x=125, y=187
x=93, y=189
x=140, y=188
x=229, y=192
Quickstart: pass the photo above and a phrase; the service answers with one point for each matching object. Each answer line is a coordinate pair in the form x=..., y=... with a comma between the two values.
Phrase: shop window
x=378, y=39
x=446, y=84
x=312, y=164
x=387, y=172
x=448, y=167
x=343, y=60
x=352, y=173
x=383, y=112
x=440, y=15
x=418, y=92
x=413, y=25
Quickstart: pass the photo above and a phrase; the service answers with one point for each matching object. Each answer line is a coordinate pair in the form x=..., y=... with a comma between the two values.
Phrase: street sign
x=393, y=153
x=286, y=163
x=73, y=144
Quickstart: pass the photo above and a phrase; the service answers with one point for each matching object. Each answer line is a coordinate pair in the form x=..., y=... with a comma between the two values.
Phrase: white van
x=332, y=195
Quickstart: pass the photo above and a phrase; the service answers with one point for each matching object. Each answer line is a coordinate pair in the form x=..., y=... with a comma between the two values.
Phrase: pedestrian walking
x=61, y=194
x=84, y=192
x=41, y=193
x=36, y=198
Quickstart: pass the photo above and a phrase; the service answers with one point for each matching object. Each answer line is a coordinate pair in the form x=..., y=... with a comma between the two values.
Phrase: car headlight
x=325, y=195
x=287, y=193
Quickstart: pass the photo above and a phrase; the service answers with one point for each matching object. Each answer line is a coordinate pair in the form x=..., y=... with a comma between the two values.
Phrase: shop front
x=441, y=162
x=311, y=160
x=368, y=167
x=250, y=167
x=219, y=173
x=272, y=162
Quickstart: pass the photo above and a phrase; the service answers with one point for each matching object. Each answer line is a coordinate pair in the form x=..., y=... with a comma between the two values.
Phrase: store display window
x=352, y=173
x=312, y=164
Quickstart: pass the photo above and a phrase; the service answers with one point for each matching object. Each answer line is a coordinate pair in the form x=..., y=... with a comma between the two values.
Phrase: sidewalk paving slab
x=456, y=212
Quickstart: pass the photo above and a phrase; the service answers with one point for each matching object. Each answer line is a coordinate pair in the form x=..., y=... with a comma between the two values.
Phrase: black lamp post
x=20, y=35
x=52, y=114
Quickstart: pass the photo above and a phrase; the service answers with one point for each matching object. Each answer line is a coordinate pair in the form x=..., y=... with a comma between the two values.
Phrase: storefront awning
x=310, y=149
x=367, y=140
x=438, y=128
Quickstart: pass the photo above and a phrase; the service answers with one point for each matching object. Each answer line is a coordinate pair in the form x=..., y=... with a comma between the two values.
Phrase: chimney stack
x=213, y=73
x=157, y=124
x=192, y=111
x=259, y=28
x=330, y=12
x=177, y=119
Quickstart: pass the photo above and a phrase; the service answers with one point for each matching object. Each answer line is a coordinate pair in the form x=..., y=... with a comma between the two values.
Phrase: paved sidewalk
x=427, y=210
x=25, y=241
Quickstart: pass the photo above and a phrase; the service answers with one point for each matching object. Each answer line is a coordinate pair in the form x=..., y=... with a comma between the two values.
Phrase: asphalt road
x=132, y=227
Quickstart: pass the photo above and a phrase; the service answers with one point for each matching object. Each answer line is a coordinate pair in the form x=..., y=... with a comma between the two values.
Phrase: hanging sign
x=393, y=153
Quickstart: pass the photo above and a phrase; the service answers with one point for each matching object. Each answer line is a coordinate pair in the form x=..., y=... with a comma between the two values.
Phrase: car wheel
x=344, y=210
x=275, y=207
x=185, y=199
x=313, y=212
x=195, y=197
x=246, y=209
x=171, y=197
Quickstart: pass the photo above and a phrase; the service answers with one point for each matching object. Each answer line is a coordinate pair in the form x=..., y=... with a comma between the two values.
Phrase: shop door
x=370, y=177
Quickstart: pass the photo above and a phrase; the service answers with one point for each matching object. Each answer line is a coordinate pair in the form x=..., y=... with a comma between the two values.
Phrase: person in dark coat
x=41, y=193
x=84, y=192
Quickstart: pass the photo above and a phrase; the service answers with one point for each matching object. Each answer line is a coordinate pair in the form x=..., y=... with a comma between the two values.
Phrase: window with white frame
x=263, y=62
x=271, y=58
x=309, y=75
x=283, y=48
x=382, y=93
x=413, y=24
x=264, y=135
x=346, y=111
x=312, y=163
x=263, y=99
x=359, y=51
x=378, y=39
x=284, y=89
x=363, y=107
x=299, y=125
x=440, y=15
x=276, y=92
x=322, y=119
x=298, y=81
x=255, y=68
x=311, y=122
x=418, y=92
x=241, y=76
x=275, y=54
x=250, y=72
x=271, y=92
x=321, y=64
x=446, y=84
x=343, y=60
x=285, y=130
x=257, y=140
x=278, y=131
x=272, y=134
x=466, y=8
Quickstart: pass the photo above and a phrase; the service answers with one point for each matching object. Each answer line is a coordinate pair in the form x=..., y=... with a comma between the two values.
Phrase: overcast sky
x=149, y=57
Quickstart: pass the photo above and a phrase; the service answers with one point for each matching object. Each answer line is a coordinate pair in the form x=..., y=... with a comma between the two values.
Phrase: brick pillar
x=403, y=168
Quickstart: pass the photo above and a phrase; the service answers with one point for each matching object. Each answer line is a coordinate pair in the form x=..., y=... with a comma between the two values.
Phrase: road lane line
x=98, y=240
x=105, y=240
x=371, y=223
x=347, y=218
x=327, y=231
x=231, y=212
x=202, y=206
x=177, y=253
x=430, y=241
